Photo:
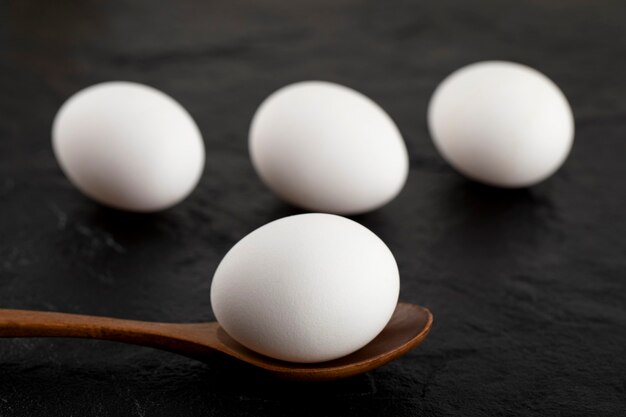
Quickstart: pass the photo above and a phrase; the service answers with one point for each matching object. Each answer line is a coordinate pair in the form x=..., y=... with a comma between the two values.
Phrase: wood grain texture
x=408, y=327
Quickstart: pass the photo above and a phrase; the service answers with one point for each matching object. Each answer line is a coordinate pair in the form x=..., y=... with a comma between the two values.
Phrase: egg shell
x=325, y=147
x=128, y=146
x=501, y=123
x=306, y=288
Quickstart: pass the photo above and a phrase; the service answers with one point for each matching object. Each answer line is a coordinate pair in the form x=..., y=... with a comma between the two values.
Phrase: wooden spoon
x=407, y=328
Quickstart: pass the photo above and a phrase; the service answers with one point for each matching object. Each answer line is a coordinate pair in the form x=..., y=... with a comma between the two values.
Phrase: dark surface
x=528, y=287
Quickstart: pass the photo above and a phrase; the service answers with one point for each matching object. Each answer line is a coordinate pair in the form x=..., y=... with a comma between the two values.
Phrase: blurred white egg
x=128, y=146
x=325, y=147
x=306, y=288
x=501, y=123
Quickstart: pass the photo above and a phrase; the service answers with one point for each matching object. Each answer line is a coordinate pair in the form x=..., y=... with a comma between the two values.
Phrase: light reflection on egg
x=325, y=147
x=501, y=123
x=128, y=146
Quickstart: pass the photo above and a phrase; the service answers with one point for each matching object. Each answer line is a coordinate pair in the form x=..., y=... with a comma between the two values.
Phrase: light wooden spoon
x=407, y=328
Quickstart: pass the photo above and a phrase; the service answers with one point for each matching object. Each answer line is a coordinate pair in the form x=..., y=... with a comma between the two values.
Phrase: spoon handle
x=23, y=323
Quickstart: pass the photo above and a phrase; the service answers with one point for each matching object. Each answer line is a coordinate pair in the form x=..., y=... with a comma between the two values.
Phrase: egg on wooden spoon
x=128, y=146
x=306, y=288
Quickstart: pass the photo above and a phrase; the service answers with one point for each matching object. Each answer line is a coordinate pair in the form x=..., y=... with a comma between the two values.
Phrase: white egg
x=501, y=123
x=306, y=288
x=325, y=147
x=128, y=146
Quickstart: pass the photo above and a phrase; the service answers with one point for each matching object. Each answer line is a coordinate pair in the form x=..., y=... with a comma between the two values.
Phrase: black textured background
x=528, y=287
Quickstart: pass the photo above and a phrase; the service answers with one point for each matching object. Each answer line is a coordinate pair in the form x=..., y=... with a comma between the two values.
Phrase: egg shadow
x=281, y=208
x=487, y=231
x=370, y=219
x=374, y=220
x=226, y=377
x=494, y=213
x=148, y=266
x=130, y=227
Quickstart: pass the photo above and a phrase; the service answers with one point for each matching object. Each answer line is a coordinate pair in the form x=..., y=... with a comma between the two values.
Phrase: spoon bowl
x=408, y=327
